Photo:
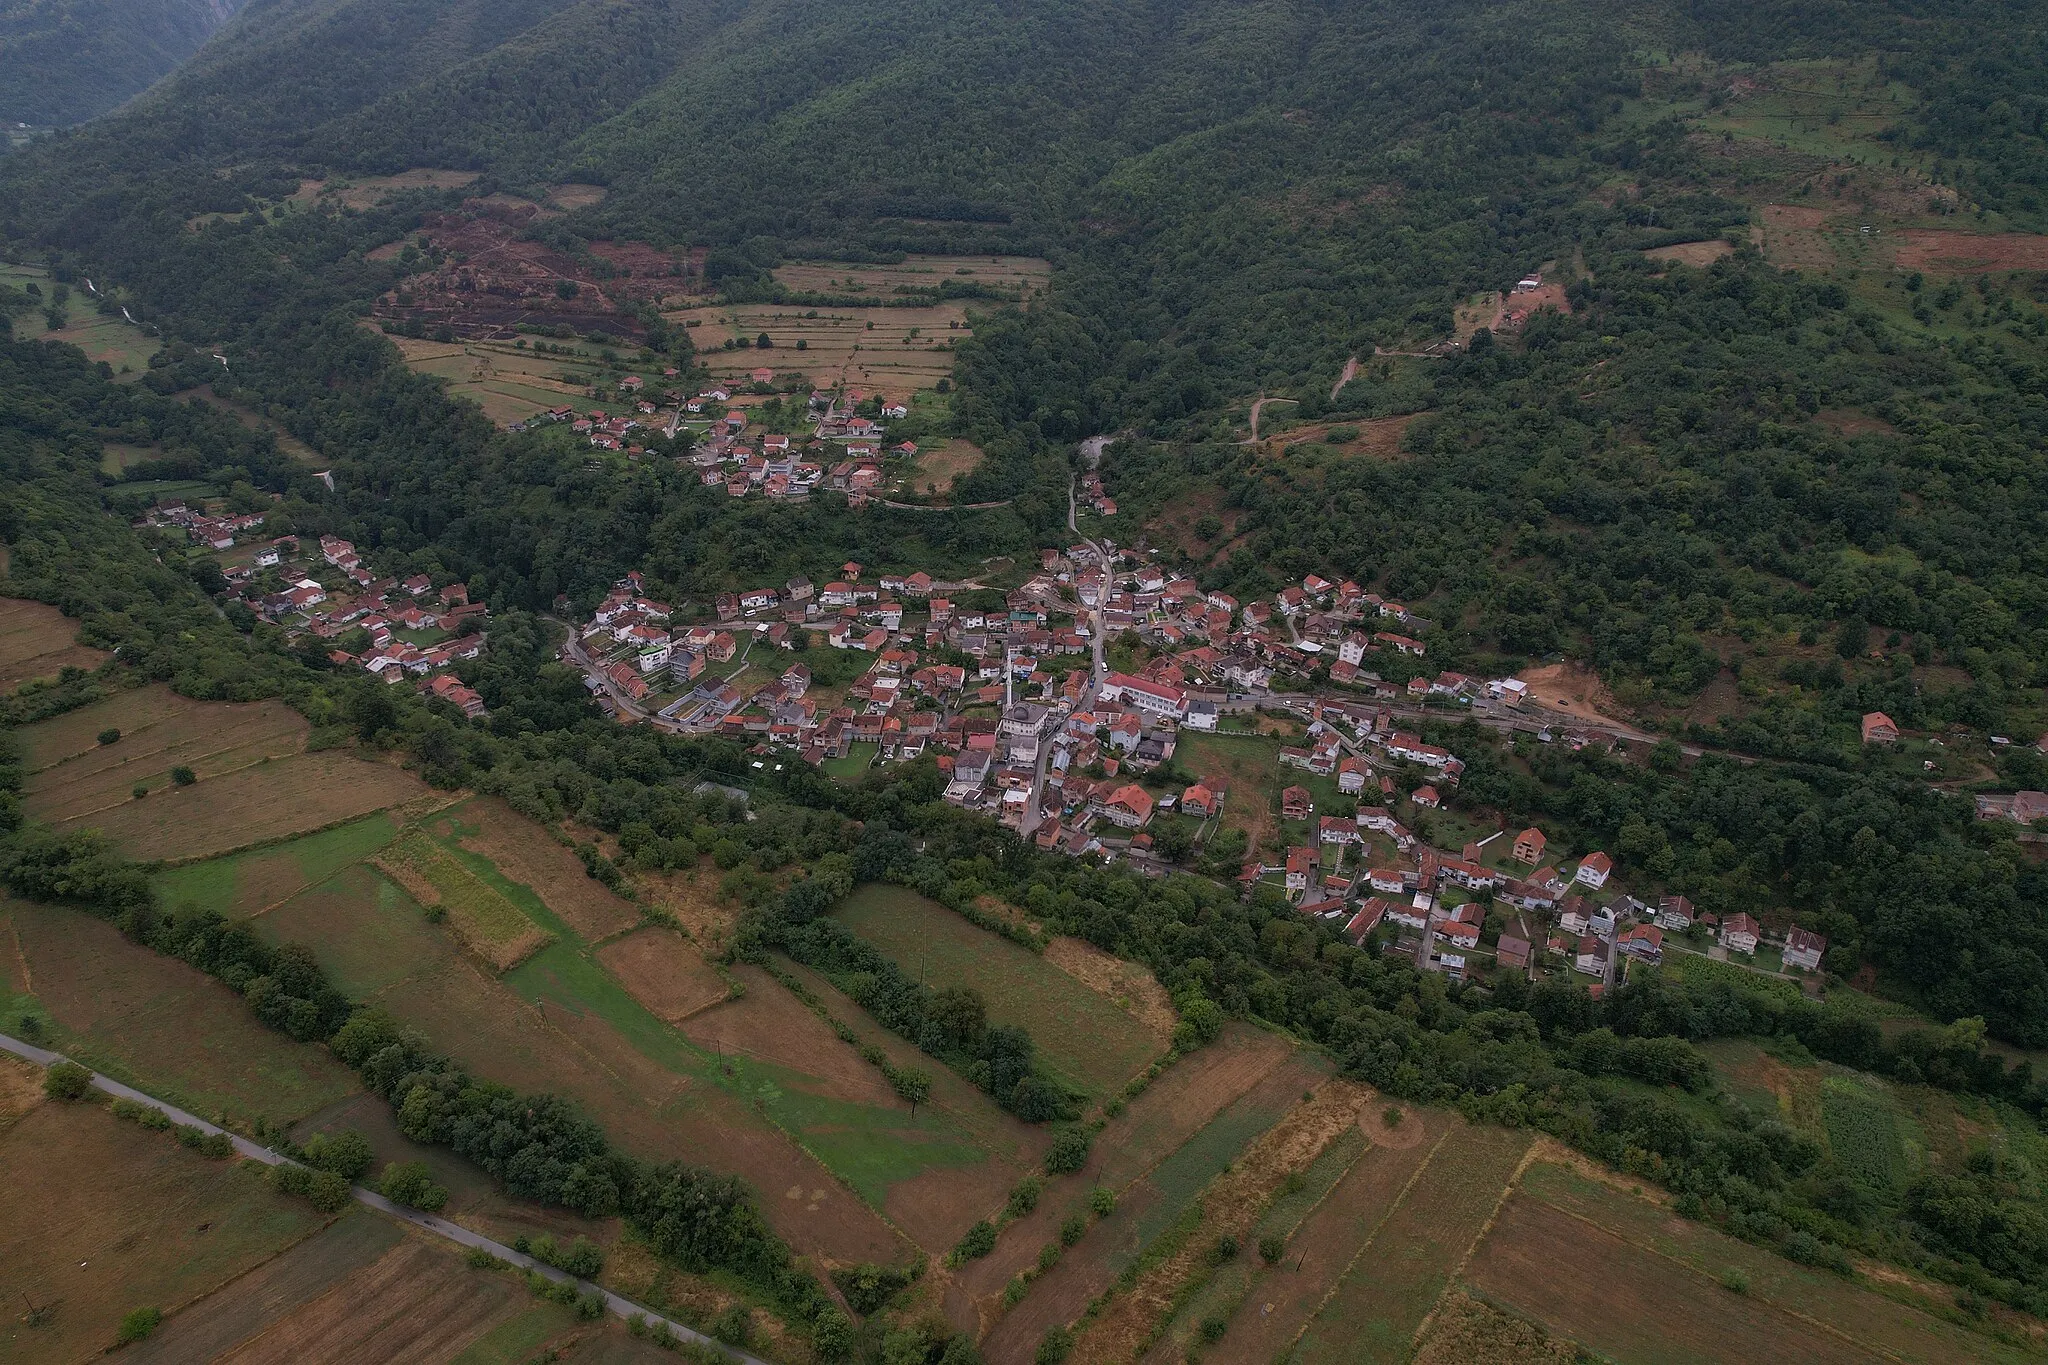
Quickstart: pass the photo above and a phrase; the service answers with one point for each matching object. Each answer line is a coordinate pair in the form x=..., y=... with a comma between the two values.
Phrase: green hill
x=65, y=61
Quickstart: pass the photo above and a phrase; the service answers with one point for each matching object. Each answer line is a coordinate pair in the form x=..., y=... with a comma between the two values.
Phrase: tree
x=346, y=1153
x=67, y=1081
x=137, y=1325
x=110, y=735
x=764, y=341
x=183, y=776
x=410, y=1183
x=910, y=1085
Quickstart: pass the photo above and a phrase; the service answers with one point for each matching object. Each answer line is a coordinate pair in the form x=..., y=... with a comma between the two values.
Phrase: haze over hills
x=1433, y=571
x=66, y=61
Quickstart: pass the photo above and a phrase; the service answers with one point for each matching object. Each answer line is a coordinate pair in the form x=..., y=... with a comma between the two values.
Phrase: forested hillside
x=65, y=61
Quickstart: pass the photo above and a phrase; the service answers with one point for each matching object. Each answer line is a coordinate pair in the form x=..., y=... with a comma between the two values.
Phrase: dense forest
x=65, y=61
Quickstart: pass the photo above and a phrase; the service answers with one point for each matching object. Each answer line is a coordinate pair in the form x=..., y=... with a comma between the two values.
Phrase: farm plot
x=1018, y=276
x=539, y=1031
x=524, y=853
x=1148, y=1208
x=365, y=928
x=1084, y=1037
x=1863, y=1132
x=509, y=382
x=659, y=968
x=1251, y=765
x=937, y=1204
x=38, y=641
x=895, y=351
x=125, y=347
x=1330, y=1237
x=71, y=771
x=1231, y=1206
x=252, y=882
x=480, y=916
x=99, y=1216
x=1375, y=1310
x=264, y=801
x=413, y=1299
x=153, y=1021
x=1176, y=1106
x=1648, y=1287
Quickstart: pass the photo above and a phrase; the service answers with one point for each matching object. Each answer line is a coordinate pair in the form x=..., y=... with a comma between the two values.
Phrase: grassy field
x=99, y=1217
x=125, y=347
x=249, y=883
x=1251, y=765
x=859, y=758
x=511, y=382
x=153, y=1021
x=633, y=1024
x=36, y=641
x=1080, y=1033
x=892, y=351
x=1648, y=1288
x=254, y=783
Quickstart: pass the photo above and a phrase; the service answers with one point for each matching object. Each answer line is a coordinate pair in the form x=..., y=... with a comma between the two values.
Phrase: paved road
x=440, y=1227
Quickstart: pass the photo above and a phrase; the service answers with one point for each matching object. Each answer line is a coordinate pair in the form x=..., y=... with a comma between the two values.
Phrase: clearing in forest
x=99, y=1216
x=38, y=641
x=1081, y=1035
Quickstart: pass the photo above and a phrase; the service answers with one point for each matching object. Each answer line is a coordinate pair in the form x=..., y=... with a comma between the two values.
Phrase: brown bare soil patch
x=1971, y=253
x=529, y=855
x=1129, y=986
x=1231, y=1207
x=1481, y=310
x=1796, y=215
x=36, y=641
x=1382, y=436
x=1283, y=1297
x=99, y=1216
x=493, y=279
x=21, y=1089
x=1574, y=690
x=1699, y=254
x=1467, y=1329
x=573, y=196
x=1850, y=422
x=660, y=969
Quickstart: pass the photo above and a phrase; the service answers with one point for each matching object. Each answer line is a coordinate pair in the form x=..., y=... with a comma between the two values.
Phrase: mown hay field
x=38, y=641
x=157, y=1023
x=1157, y=1186
x=254, y=783
x=1374, y=1312
x=1649, y=1287
x=99, y=1216
x=1080, y=1033
x=892, y=351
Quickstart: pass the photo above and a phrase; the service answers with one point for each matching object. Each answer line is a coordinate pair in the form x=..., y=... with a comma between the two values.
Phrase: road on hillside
x=440, y=1227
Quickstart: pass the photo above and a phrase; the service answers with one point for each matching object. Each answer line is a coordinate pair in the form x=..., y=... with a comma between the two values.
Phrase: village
x=398, y=630
x=1030, y=726
x=841, y=451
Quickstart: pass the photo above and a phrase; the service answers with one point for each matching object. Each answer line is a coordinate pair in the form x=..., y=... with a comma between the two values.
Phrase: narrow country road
x=440, y=1227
